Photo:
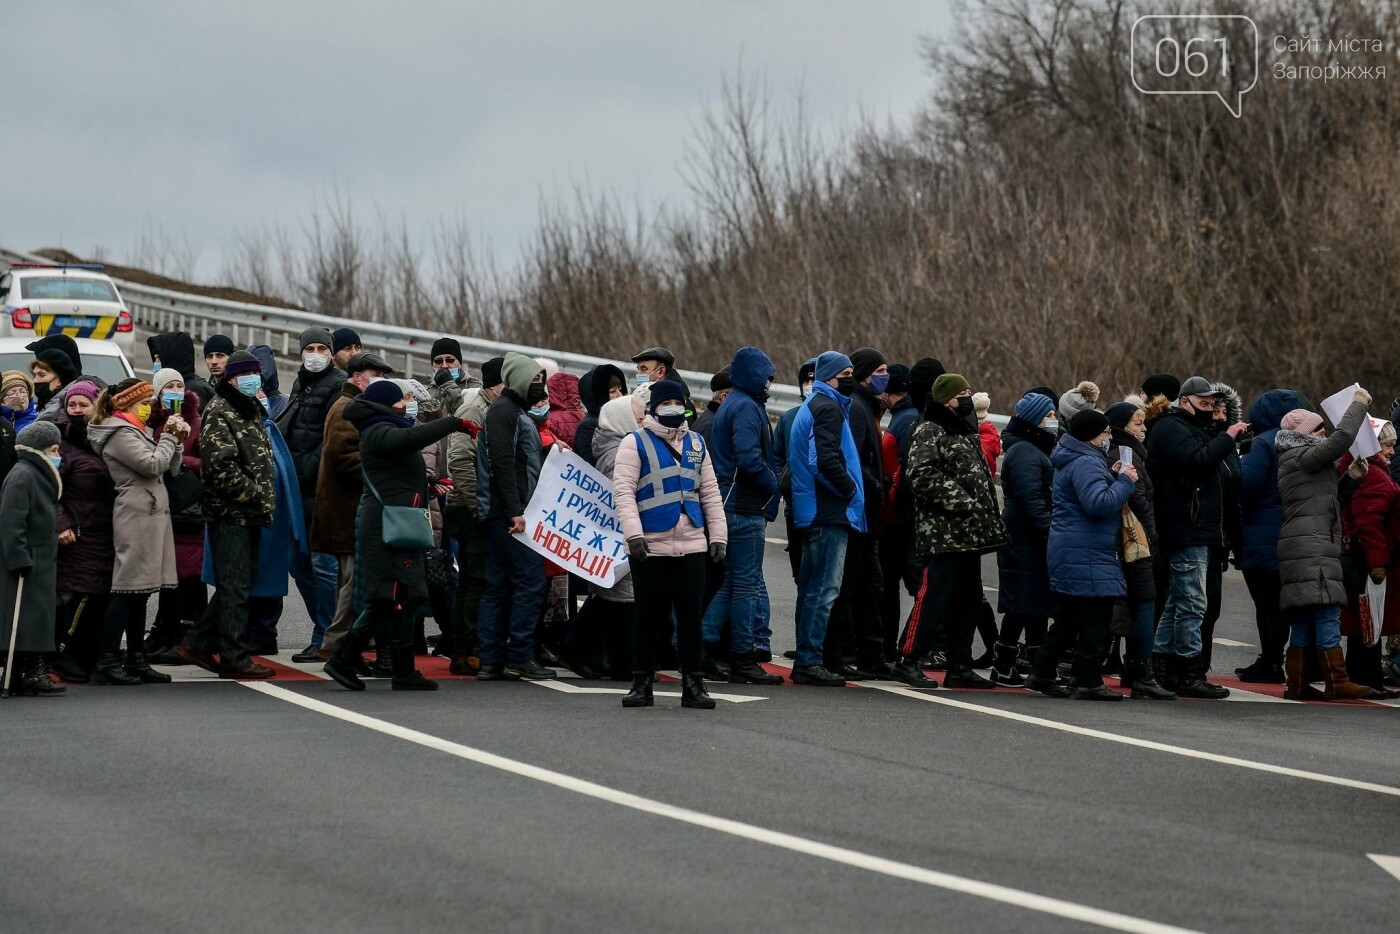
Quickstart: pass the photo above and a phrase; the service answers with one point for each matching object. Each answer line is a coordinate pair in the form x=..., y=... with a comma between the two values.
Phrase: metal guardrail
x=406, y=348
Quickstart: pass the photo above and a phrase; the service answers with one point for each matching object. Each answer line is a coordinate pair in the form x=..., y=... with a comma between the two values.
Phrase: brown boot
x=1339, y=686
x=1295, y=687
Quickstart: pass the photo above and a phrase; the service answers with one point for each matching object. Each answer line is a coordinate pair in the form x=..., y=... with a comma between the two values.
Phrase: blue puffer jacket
x=1259, y=500
x=824, y=463
x=742, y=440
x=1087, y=509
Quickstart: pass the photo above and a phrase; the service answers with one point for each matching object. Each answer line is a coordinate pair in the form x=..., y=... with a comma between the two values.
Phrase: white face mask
x=315, y=362
x=1051, y=424
x=670, y=410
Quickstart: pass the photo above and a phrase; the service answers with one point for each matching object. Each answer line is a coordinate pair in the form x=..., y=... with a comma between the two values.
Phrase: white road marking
x=1030, y=901
x=1390, y=864
x=575, y=689
x=1233, y=643
x=934, y=698
x=776, y=541
x=1239, y=695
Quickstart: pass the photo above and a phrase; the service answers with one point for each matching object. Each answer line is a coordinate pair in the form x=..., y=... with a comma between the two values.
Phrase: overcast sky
x=206, y=119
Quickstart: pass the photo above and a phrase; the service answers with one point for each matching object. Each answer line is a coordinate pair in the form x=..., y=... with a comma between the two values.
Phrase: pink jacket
x=685, y=538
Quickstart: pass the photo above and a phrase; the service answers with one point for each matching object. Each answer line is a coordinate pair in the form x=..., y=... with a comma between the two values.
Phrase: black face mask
x=1204, y=419
x=42, y=394
x=966, y=412
x=535, y=394
x=846, y=385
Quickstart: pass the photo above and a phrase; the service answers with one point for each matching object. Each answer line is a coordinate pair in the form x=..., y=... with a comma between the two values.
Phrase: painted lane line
x=786, y=841
x=564, y=688
x=1390, y=864
x=776, y=541
x=1133, y=741
x=1233, y=643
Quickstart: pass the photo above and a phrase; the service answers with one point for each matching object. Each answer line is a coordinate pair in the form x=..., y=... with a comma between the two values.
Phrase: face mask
x=1104, y=446
x=878, y=384
x=155, y=368
x=143, y=412
x=536, y=393
x=641, y=379
x=806, y=388
x=672, y=416
x=966, y=412
x=250, y=384
x=846, y=385
x=315, y=362
x=56, y=460
x=411, y=409
x=1205, y=418
x=1051, y=424
x=1140, y=432
x=456, y=372
x=540, y=412
x=172, y=399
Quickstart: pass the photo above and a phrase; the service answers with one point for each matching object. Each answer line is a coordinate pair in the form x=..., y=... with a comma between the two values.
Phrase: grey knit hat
x=1081, y=398
x=316, y=335
x=38, y=435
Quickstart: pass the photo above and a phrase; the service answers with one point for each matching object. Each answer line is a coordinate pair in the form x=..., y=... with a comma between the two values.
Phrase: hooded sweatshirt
x=743, y=438
x=508, y=453
x=565, y=410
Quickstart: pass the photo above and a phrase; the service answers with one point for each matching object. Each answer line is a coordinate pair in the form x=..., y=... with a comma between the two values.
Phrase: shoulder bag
x=405, y=527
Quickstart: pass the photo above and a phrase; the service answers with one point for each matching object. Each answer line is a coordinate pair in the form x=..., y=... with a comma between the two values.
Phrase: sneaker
x=531, y=671
x=911, y=675
x=817, y=676
x=938, y=661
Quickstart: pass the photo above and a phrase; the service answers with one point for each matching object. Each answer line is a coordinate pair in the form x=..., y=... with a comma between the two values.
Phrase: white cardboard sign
x=571, y=520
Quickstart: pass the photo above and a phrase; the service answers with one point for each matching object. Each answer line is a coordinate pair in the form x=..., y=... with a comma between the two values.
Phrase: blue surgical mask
x=641, y=379
x=172, y=399
x=878, y=384
x=55, y=459
x=541, y=411
x=250, y=384
x=155, y=368
x=456, y=372
x=411, y=409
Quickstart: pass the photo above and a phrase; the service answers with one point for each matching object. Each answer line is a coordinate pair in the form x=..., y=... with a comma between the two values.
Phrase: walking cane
x=14, y=628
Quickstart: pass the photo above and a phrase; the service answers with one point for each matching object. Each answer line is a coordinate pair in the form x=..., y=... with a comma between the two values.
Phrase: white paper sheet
x=1375, y=596
x=1125, y=454
x=1335, y=406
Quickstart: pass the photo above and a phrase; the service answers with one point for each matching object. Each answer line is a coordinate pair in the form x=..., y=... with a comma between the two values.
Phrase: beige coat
x=144, y=540
x=684, y=538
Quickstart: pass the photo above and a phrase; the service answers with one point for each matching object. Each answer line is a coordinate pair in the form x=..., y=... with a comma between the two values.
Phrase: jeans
x=950, y=594
x=224, y=625
x=742, y=596
x=818, y=583
x=1315, y=627
x=1081, y=622
x=1140, y=628
x=515, y=585
x=665, y=585
x=316, y=575
x=1179, y=632
x=347, y=608
x=855, y=629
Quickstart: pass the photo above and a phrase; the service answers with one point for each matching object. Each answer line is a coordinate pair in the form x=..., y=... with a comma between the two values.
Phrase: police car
x=79, y=300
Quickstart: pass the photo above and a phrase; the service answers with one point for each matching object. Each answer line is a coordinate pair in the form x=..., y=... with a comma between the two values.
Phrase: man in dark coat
x=29, y=550
x=175, y=349
x=239, y=496
x=1185, y=459
x=782, y=437
x=896, y=531
x=303, y=425
x=720, y=385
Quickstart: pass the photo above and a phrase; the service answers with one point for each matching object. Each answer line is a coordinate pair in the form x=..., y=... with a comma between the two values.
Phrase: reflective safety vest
x=665, y=487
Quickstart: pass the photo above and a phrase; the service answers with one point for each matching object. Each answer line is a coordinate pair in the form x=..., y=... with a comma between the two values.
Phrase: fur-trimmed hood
x=38, y=456
x=1234, y=404
x=1287, y=439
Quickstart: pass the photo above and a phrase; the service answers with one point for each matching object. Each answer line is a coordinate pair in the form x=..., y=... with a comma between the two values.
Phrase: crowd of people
x=389, y=501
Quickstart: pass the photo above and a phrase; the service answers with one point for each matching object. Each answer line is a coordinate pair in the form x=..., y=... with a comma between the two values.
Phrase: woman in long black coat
x=29, y=552
x=392, y=581
x=1023, y=577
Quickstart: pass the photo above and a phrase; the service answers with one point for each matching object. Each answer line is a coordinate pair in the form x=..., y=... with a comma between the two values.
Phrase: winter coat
x=565, y=410
x=1260, y=507
x=615, y=422
x=955, y=504
x=1139, y=576
x=782, y=444
x=390, y=454
x=7, y=448
x=684, y=538
x=1186, y=479
x=742, y=448
x=705, y=422
x=508, y=450
x=1023, y=570
x=865, y=431
x=143, y=540
x=340, y=483
x=29, y=542
x=21, y=419
x=236, y=461
x=176, y=349
x=303, y=422
x=1310, y=540
x=903, y=417
x=273, y=396
x=824, y=465
x=991, y=444
x=594, y=387
x=1371, y=524
x=1084, y=528
x=85, y=509
x=448, y=394
x=461, y=452
x=189, y=523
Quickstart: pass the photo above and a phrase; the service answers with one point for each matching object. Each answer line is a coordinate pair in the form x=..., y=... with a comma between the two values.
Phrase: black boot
x=71, y=670
x=344, y=666
x=1164, y=669
x=34, y=678
x=962, y=676
x=713, y=666
x=406, y=676
x=383, y=665
x=109, y=670
x=1113, y=663
x=640, y=695
x=693, y=693
x=136, y=664
x=1192, y=680
x=1096, y=693
x=746, y=671
x=1261, y=671
x=1025, y=658
x=1004, y=671
x=1137, y=674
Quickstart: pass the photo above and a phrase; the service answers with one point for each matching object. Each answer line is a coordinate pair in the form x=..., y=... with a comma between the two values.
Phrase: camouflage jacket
x=236, y=465
x=955, y=505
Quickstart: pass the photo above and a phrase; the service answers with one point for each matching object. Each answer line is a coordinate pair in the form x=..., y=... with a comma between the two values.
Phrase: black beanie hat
x=1046, y=391
x=866, y=361
x=1120, y=413
x=923, y=373
x=447, y=345
x=218, y=343
x=1087, y=425
x=240, y=363
x=345, y=337
x=807, y=372
x=721, y=381
x=1161, y=384
x=899, y=378
x=490, y=371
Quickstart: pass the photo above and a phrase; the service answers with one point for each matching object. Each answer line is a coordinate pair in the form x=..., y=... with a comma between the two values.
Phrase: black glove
x=442, y=376
x=718, y=551
x=637, y=550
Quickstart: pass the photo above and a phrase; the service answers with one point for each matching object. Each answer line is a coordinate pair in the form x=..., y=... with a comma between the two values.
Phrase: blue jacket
x=1086, y=514
x=21, y=420
x=276, y=399
x=1259, y=500
x=824, y=463
x=903, y=417
x=742, y=440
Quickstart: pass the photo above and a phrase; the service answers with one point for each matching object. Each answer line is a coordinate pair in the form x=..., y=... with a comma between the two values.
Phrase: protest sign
x=572, y=522
x=1335, y=406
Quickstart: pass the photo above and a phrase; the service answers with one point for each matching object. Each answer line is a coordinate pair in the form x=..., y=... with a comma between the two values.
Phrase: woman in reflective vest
x=672, y=516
